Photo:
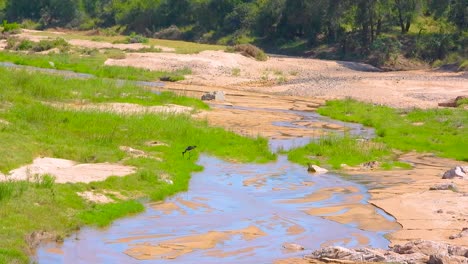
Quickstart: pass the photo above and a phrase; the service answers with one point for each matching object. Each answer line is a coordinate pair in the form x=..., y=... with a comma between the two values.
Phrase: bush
x=172, y=32
x=384, y=49
x=29, y=24
x=136, y=38
x=43, y=45
x=12, y=28
x=47, y=44
x=463, y=66
x=25, y=44
x=249, y=50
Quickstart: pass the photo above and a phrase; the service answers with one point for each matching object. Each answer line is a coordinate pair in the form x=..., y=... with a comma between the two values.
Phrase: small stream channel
x=237, y=213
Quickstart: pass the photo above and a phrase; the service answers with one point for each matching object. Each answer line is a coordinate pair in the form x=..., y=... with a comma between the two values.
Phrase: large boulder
x=459, y=172
x=216, y=95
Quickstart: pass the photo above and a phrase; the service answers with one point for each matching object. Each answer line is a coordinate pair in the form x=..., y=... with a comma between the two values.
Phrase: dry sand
x=309, y=77
x=68, y=171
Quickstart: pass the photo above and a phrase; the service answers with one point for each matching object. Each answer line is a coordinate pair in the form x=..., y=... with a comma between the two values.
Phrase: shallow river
x=238, y=213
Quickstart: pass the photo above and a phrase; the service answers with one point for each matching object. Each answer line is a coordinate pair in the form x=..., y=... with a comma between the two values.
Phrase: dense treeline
x=352, y=25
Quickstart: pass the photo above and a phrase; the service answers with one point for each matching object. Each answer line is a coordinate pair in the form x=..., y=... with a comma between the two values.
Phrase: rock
x=444, y=186
x=459, y=172
x=316, y=169
x=371, y=165
x=454, y=102
x=437, y=259
x=341, y=253
x=216, y=95
x=292, y=246
x=37, y=237
x=463, y=233
x=419, y=251
x=136, y=153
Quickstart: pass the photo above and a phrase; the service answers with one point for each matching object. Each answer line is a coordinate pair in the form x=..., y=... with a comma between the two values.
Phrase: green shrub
x=463, y=65
x=25, y=44
x=30, y=24
x=12, y=28
x=136, y=38
x=385, y=49
x=47, y=44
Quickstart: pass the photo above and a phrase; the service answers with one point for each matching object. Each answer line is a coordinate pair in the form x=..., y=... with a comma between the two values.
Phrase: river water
x=238, y=213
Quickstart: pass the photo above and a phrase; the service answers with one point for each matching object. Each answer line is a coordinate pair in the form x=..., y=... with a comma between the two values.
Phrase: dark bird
x=189, y=148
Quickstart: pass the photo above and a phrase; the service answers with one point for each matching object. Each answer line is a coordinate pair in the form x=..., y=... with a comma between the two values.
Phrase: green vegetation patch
x=443, y=132
x=92, y=64
x=34, y=128
x=337, y=150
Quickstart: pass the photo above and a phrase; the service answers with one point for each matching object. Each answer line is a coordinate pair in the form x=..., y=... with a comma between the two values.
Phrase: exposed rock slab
x=68, y=171
x=419, y=251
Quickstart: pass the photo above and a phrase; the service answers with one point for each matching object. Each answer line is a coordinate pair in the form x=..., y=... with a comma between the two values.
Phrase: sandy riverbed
x=304, y=84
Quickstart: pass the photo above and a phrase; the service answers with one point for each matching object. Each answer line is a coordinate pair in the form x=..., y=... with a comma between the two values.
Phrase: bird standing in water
x=188, y=149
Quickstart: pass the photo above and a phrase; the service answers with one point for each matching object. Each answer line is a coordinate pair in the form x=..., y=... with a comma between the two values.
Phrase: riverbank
x=129, y=132
x=253, y=89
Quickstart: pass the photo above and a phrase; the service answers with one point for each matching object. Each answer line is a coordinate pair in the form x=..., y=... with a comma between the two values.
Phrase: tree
x=407, y=11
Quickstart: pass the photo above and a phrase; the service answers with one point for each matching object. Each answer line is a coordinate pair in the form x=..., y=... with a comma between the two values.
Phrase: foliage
x=14, y=43
x=385, y=49
x=136, y=38
x=355, y=29
x=10, y=27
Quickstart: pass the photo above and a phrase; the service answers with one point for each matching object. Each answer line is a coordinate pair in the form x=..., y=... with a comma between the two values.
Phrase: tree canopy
x=352, y=24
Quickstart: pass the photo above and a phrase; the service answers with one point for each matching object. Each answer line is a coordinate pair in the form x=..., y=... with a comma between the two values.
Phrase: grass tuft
x=337, y=150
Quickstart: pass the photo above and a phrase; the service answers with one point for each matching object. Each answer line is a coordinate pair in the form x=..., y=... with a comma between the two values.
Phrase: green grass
x=336, y=150
x=462, y=102
x=37, y=129
x=182, y=47
x=443, y=132
x=93, y=64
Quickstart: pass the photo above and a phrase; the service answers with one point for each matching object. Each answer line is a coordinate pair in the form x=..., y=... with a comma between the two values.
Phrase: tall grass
x=37, y=129
x=93, y=64
x=443, y=132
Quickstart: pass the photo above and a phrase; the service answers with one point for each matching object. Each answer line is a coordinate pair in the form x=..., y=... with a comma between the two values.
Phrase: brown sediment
x=363, y=215
x=322, y=194
x=295, y=230
x=167, y=207
x=223, y=254
x=133, y=238
x=57, y=251
x=175, y=248
x=194, y=205
x=259, y=180
x=423, y=214
x=362, y=240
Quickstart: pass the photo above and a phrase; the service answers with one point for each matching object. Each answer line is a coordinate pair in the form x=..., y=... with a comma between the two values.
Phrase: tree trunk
x=408, y=25
x=400, y=17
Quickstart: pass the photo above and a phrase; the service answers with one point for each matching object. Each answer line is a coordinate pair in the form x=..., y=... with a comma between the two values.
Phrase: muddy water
x=238, y=213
